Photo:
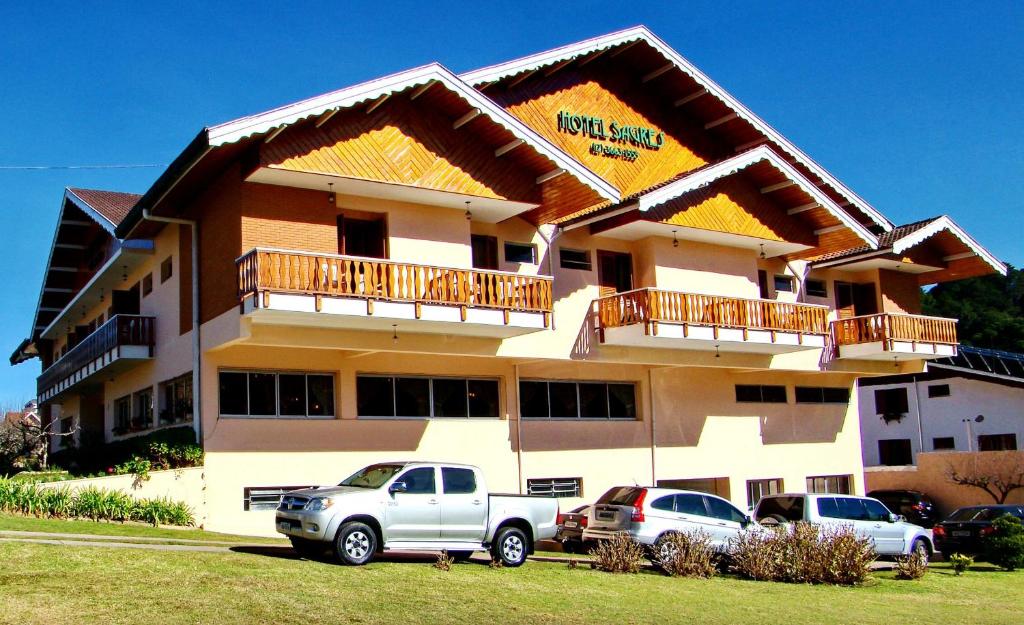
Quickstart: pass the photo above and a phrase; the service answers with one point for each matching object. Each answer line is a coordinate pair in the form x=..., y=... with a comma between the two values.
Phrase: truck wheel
x=308, y=549
x=920, y=548
x=510, y=546
x=355, y=543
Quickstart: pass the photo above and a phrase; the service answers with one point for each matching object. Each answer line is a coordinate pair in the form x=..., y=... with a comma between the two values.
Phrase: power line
x=50, y=167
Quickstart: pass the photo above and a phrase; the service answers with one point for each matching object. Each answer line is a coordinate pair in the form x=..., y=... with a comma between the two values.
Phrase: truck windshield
x=373, y=476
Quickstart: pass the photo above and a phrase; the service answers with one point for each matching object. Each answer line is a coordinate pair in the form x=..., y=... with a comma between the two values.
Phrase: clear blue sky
x=917, y=107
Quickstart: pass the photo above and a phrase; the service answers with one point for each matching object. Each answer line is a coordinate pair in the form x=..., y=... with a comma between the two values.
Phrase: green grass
x=128, y=530
x=54, y=584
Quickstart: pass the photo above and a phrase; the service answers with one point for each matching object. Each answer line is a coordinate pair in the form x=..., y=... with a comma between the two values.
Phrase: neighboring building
x=971, y=402
x=586, y=267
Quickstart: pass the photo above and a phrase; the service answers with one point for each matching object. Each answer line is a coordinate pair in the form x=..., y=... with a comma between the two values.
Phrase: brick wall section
x=220, y=243
x=288, y=218
x=184, y=278
x=900, y=292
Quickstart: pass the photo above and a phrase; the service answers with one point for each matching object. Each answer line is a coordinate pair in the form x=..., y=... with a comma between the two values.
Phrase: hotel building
x=586, y=267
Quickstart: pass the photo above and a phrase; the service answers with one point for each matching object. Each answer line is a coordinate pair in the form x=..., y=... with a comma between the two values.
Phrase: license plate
x=961, y=533
x=284, y=525
x=571, y=524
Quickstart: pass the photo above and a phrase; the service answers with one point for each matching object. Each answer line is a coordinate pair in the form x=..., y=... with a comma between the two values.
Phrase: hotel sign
x=611, y=131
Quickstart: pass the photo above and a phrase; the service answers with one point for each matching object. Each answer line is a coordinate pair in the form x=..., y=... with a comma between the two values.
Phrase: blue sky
x=916, y=106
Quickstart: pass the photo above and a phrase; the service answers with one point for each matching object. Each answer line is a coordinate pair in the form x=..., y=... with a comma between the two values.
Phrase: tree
x=25, y=439
x=998, y=473
x=990, y=309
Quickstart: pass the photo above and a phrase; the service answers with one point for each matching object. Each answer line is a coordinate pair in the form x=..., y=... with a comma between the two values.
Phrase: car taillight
x=583, y=521
x=986, y=531
x=638, y=507
x=560, y=519
x=939, y=531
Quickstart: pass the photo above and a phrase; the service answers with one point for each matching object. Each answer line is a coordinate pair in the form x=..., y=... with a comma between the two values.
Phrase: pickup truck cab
x=415, y=506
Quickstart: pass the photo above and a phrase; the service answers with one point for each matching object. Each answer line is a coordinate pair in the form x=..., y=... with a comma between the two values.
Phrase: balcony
x=114, y=346
x=890, y=336
x=656, y=318
x=324, y=290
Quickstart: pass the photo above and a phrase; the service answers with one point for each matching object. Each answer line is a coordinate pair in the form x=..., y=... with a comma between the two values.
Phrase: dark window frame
x=790, y=282
x=997, y=442
x=166, y=269
x=938, y=390
x=608, y=384
x=895, y=452
x=484, y=251
x=763, y=489
x=586, y=264
x=816, y=292
x=827, y=481
x=430, y=400
x=886, y=405
x=147, y=284
x=513, y=245
x=948, y=443
x=745, y=394
x=822, y=395
x=248, y=373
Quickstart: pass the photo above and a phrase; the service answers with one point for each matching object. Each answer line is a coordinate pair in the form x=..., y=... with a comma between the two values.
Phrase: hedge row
x=90, y=503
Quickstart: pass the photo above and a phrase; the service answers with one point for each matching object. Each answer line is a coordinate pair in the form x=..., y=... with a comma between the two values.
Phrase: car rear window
x=620, y=496
x=780, y=509
x=971, y=514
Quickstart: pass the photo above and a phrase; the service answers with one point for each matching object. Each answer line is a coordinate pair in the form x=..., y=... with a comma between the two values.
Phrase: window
x=781, y=509
x=891, y=401
x=895, y=452
x=816, y=288
x=142, y=416
x=666, y=503
x=756, y=489
x=838, y=484
x=876, y=510
x=485, y=251
x=268, y=394
x=997, y=442
x=576, y=400
x=760, y=393
x=177, y=400
x=938, y=390
x=66, y=425
x=712, y=485
x=419, y=481
x=419, y=398
x=851, y=509
x=691, y=504
x=822, y=395
x=458, y=481
x=574, y=259
x=784, y=284
x=265, y=497
x=556, y=486
x=520, y=252
x=940, y=443
x=723, y=510
x=122, y=414
x=166, y=270
x=147, y=284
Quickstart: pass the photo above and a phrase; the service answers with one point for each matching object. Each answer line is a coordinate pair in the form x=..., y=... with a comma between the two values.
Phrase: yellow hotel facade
x=587, y=267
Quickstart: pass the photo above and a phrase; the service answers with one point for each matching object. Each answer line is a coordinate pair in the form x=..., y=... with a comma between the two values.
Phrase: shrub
x=687, y=554
x=914, y=566
x=30, y=498
x=803, y=554
x=444, y=561
x=960, y=563
x=619, y=554
x=1005, y=546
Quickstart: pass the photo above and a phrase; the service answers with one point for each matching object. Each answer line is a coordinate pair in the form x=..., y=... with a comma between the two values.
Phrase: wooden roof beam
x=326, y=117
x=721, y=120
x=624, y=48
x=69, y=246
x=75, y=222
x=376, y=103
x=658, y=72
x=508, y=147
x=68, y=269
x=821, y=231
x=775, y=187
x=423, y=89
x=743, y=147
x=273, y=133
x=523, y=77
x=558, y=66
x=690, y=98
x=548, y=176
x=593, y=56
x=958, y=256
x=465, y=119
x=54, y=289
x=803, y=208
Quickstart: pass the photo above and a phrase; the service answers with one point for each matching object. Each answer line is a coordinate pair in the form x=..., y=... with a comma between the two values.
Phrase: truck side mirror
x=398, y=487
x=894, y=518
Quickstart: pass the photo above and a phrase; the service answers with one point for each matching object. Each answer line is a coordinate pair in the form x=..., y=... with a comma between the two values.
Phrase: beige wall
x=930, y=477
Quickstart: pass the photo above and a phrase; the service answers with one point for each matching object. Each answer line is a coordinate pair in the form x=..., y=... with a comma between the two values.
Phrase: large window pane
x=563, y=400
x=412, y=397
x=483, y=398
x=533, y=400
x=234, y=398
x=449, y=397
x=593, y=401
x=262, y=394
x=622, y=401
x=321, y=395
x=292, y=395
x=375, y=396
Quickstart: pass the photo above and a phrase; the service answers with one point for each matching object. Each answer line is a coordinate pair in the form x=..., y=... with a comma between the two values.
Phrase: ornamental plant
x=960, y=563
x=1005, y=546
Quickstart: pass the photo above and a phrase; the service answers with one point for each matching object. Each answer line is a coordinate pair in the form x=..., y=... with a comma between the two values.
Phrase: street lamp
x=970, y=435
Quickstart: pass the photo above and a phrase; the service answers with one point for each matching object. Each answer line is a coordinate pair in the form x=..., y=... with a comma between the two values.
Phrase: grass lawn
x=128, y=530
x=53, y=584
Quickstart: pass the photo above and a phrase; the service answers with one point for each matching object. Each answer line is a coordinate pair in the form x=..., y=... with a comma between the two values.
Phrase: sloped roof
x=111, y=205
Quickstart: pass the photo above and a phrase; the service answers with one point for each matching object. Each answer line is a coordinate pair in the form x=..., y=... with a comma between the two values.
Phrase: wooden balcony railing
x=888, y=327
x=119, y=331
x=272, y=271
x=653, y=305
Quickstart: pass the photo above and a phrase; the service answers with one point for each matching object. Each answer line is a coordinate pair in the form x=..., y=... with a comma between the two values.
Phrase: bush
x=687, y=554
x=619, y=554
x=803, y=554
x=914, y=566
x=97, y=456
x=30, y=498
x=1005, y=546
x=960, y=563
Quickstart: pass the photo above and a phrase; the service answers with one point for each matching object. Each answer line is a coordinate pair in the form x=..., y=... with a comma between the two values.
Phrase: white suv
x=650, y=514
x=890, y=533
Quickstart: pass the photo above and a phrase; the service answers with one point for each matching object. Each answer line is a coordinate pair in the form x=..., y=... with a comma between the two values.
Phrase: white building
x=973, y=401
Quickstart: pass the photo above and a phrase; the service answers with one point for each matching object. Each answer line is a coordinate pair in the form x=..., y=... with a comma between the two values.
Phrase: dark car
x=915, y=506
x=570, y=529
x=964, y=530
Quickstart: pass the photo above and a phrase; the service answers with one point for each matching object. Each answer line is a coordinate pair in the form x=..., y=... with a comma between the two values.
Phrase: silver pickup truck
x=415, y=506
